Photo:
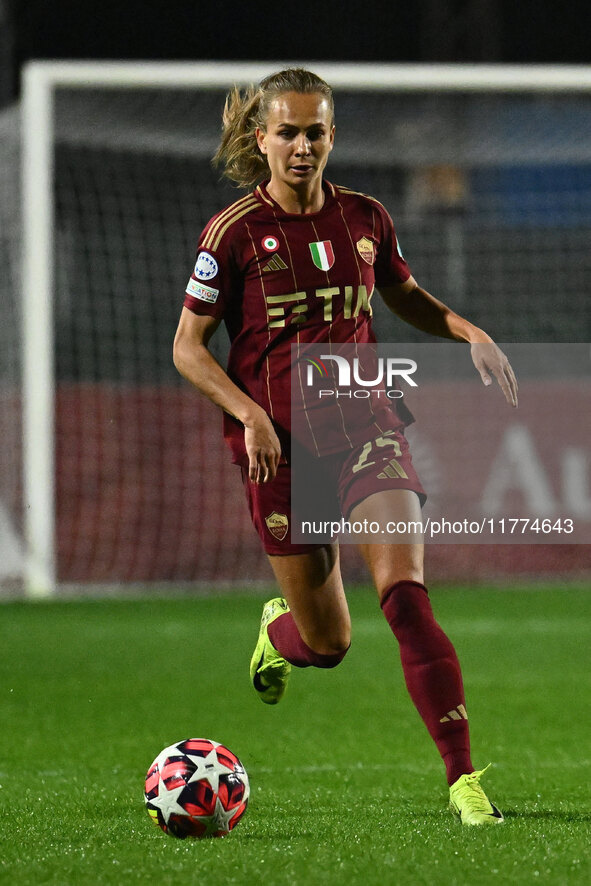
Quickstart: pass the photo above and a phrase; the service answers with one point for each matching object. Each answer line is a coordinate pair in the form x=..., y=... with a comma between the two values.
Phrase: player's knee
x=332, y=658
x=385, y=581
x=331, y=650
x=331, y=640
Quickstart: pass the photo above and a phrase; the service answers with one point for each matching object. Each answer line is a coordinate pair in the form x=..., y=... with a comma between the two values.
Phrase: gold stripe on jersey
x=327, y=294
x=353, y=193
x=363, y=298
x=226, y=219
x=298, y=316
x=229, y=210
x=263, y=196
x=263, y=293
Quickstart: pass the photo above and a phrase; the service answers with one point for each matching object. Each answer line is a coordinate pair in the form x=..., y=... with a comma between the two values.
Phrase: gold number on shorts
x=362, y=461
x=393, y=469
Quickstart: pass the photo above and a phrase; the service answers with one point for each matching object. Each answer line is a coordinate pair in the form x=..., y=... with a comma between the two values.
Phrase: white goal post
x=39, y=84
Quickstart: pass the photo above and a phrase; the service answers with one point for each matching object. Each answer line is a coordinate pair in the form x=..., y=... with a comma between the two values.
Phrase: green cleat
x=468, y=801
x=269, y=672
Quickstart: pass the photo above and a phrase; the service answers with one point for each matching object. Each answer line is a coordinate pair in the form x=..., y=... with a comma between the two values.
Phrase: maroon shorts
x=327, y=489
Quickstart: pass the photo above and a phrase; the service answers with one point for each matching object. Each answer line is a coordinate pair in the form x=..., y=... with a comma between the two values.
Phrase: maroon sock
x=432, y=673
x=286, y=639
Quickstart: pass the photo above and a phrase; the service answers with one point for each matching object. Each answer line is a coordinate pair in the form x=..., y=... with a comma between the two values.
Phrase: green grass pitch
x=346, y=787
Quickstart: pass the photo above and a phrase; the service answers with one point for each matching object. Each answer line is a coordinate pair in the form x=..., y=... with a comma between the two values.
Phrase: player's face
x=298, y=138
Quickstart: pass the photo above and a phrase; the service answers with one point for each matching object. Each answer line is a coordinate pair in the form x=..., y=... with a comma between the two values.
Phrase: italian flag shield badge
x=322, y=254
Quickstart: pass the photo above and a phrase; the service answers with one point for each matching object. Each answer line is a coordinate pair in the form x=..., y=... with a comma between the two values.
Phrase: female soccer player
x=296, y=261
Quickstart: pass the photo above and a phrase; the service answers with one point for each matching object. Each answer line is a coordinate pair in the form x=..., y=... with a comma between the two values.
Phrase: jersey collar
x=261, y=193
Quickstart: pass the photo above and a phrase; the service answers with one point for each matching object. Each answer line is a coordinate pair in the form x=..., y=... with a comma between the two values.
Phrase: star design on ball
x=205, y=768
x=219, y=821
x=167, y=800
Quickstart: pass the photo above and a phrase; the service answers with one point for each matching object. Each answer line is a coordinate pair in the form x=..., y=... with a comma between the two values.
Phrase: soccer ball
x=196, y=788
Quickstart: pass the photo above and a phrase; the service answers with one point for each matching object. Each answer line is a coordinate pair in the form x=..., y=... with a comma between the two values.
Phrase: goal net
x=113, y=471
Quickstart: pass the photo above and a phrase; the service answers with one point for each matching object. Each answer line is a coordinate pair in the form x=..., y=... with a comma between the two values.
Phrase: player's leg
x=430, y=665
x=308, y=626
x=429, y=662
x=317, y=630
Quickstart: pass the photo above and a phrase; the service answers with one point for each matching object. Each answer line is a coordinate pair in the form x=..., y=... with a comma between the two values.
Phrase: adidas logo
x=393, y=470
x=275, y=264
x=458, y=713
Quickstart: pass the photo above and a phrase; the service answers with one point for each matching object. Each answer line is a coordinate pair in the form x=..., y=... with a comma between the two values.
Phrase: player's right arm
x=195, y=362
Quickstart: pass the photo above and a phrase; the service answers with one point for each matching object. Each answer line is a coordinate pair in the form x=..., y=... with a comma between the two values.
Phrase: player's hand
x=263, y=449
x=489, y=359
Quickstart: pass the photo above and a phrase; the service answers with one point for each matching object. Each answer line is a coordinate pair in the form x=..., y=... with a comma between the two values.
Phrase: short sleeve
x=390, y=267
x=211, y=281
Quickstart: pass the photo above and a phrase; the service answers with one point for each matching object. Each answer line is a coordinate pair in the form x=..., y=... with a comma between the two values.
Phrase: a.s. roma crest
x=277, y=524
x=366, y=250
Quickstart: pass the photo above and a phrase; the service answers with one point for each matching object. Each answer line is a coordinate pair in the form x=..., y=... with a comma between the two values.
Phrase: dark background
x=291, y=30
x=423, y=30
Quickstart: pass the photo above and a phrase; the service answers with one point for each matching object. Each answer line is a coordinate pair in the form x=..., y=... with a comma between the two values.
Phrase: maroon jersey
x=279, y=279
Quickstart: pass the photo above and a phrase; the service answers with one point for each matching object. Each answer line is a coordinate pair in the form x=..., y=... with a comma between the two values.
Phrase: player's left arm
x=418, y=307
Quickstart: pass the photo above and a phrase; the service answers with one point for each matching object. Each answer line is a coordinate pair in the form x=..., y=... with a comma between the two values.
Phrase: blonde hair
x=245, y=111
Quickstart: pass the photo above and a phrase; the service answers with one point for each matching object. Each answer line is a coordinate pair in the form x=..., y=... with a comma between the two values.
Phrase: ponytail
x=245, y=111
x=238, y=151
